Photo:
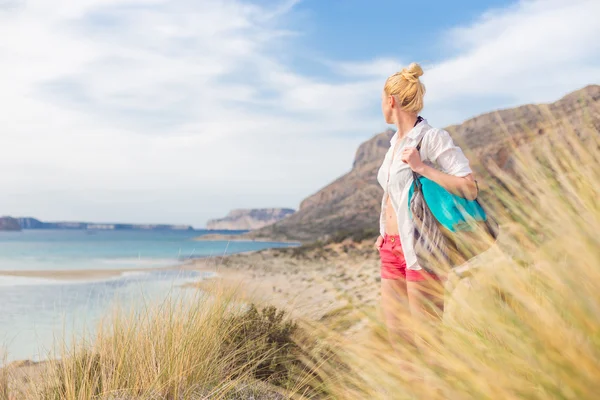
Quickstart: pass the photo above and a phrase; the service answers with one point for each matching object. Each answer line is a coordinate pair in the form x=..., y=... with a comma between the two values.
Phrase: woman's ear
x=391, y=101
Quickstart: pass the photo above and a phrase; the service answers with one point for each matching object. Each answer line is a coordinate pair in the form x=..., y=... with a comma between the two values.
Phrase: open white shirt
x=437, y=150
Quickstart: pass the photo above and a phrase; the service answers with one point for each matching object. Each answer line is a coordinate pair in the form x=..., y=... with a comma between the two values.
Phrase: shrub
x=261, y=342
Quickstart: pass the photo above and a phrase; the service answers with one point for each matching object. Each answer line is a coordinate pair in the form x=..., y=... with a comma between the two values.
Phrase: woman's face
x=386, y=107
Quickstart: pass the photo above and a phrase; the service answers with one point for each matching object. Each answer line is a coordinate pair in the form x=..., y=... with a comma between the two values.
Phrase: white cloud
x=535, y=51
x=177, y=111
x=175, y=105
x=532, y=51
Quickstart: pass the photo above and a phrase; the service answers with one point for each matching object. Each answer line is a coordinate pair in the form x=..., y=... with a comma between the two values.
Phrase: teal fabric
x=452, y=212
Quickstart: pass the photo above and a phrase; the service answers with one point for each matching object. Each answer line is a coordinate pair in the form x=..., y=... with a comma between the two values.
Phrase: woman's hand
x=379, y=243
x=411, y=156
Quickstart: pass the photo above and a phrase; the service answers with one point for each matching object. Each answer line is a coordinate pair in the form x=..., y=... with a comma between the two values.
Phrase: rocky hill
x=493, y=136
x=249, y=219
x=352, y=202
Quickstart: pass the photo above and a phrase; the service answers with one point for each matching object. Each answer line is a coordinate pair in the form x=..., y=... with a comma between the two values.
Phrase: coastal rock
x=9, y=224
x=249, y=219
x=352, y=202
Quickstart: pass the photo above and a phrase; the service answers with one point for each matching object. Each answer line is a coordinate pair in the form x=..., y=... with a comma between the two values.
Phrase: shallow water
x=35, y=312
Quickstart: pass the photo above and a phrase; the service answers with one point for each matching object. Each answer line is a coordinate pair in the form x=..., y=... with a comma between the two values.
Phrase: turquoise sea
x=36, y=311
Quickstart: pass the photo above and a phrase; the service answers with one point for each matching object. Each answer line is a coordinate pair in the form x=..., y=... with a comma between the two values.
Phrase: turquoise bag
x=448, y=229
x=452, y=212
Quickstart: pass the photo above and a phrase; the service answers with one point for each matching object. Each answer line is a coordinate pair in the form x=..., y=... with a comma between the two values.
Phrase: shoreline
x=100, y=274
x=305, y=281
x=312, y=284
x=315, y=281
x=69, y=275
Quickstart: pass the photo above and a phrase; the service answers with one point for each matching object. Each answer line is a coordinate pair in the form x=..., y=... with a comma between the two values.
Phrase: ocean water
x=37, y=312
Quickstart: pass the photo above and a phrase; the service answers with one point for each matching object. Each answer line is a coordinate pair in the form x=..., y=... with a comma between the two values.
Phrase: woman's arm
x=461, y=186
x=457, y=178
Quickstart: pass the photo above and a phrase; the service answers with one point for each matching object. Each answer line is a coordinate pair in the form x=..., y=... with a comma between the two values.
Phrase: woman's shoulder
x=431, y=136
x=435, y=142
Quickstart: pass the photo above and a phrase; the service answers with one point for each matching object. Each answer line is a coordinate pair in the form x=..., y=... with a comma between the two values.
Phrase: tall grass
x=524, y=325
x=213, y=347
x=4, y=383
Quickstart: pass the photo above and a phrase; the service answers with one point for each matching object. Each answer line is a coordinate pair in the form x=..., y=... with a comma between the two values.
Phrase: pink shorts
x=393, y=264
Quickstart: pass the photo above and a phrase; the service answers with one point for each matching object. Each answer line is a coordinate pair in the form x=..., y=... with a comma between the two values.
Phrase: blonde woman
x=405, y=285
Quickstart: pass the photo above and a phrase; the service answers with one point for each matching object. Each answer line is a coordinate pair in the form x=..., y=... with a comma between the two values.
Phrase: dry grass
x=210, y=347
x=525, y=325
x=4, y=384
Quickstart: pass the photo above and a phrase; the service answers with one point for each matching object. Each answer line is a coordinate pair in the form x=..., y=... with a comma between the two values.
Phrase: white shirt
x=437, y=150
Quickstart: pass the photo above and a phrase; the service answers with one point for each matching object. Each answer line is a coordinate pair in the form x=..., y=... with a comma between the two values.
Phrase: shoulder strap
x=416, y=182
x=419, y=120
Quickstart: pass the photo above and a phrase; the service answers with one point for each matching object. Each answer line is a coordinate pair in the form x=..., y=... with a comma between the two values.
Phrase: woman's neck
x=404, y=123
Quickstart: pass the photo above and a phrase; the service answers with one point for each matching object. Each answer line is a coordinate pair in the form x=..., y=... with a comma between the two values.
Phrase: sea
x=39, y=313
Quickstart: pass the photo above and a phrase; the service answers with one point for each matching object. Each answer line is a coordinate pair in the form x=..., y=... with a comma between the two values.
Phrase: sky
x=177, y=111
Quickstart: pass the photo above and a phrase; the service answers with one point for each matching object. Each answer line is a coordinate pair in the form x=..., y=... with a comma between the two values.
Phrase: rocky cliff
x=493, y=136
x=352, y=202
x=9, y=224
x=249, y=219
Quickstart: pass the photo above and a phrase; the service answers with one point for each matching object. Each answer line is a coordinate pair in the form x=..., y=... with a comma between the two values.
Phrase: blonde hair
x=406, y=87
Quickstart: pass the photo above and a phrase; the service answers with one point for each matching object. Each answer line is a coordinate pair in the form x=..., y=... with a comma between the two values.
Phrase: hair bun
x=412, y=73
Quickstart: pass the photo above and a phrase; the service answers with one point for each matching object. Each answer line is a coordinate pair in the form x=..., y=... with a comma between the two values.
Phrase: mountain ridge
x=352, y=202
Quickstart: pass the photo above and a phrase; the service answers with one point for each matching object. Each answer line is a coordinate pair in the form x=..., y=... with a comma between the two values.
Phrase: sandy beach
x=307, y=281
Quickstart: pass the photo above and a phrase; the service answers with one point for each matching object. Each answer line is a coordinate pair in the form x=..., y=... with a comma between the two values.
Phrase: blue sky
x=177, y=111
x=349, y=29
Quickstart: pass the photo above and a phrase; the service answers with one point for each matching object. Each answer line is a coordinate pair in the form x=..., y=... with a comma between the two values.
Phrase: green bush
x=261, y=342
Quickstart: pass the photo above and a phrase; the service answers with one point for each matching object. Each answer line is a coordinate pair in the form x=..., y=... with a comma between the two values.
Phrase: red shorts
x=393, y=264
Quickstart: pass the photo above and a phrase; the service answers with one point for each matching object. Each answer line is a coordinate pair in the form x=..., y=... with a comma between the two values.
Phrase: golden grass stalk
x=526, y=325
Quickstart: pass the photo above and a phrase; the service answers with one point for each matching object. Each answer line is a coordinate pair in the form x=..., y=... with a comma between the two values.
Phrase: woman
x=407, y=289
